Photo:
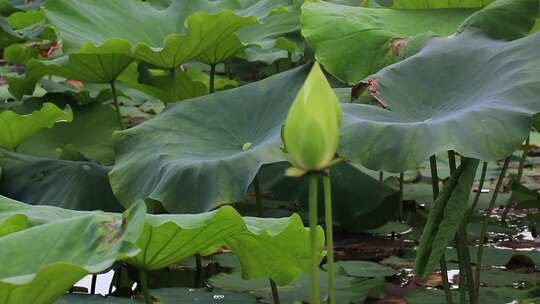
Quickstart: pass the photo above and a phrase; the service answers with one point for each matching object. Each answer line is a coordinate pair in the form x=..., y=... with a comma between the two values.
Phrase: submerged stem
x=313, y=191
x=442, y=262
x=116, y=105
x=481, y=240
x=329, y=223
x=144, y=287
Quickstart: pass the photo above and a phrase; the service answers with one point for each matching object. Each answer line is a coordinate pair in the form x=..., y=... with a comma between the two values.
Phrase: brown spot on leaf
x=397, y=45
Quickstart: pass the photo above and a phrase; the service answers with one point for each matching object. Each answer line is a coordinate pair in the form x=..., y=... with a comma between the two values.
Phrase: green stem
x=289, y=56
x=381, y=176
x=442, y=262
x=483, y=230
x=228, y=69
x=258, y=196
x=462, y=278
x=465, y=260
x=258, y=201
x=329, y=237
x=401, y=181
x=275, y=293
x=93, y=284
x=452, y=161
x=211, y=81
x=144, y=287
x=116, y=105
x=276, y=64
x=518, y=178
x=313, y=238
x=523, y=159
x=199, y=271
x=465, y=270
x=477, y=195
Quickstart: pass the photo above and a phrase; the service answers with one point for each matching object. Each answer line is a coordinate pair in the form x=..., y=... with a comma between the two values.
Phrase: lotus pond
x=270, y=151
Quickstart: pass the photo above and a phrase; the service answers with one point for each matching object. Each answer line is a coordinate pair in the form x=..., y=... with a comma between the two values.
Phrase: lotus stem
x=381, y=176
x=465, y=270
x=401, y=181
x=116, y=105
x=329, y=236
x=465, y=260
x=483, y=230
x=275, y=292
x=258, y=201
x=93, y=284
x=276, y=64
x=442, y=262
x=258, y=196
x=480, y=187
x=518, y=177
x=289, y=56
x=144, y=287
x=211, y=81
x=228, y=69
x=199, y=271
x=452, y=161
x=523, y=159
x=313, y=191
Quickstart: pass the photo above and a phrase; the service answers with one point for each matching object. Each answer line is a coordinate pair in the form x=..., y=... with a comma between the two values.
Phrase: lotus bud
x=311, y=132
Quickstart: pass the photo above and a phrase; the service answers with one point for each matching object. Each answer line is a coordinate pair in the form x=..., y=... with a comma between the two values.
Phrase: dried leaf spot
x=397, y=45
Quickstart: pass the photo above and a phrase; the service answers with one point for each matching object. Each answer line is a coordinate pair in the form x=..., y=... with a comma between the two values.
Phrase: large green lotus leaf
x=46, y=260
x=167, y=44
x=90, y=133
x=85, y=94
x=504, y=19
x=362, y=201
x=16, y=128
x=175, y=295
x=96, y=64
x=20, y=26
x=433, y=4
x=193, y=163
x=271, y=39
x=487, y=295
x=349, y=290
x=471, y=94
x=388, y=35
x=33, y=215
x=275, y=248
x=167, y=88
x=8, y=7
x=74, y=185
x=362, y=40
x=167, y=239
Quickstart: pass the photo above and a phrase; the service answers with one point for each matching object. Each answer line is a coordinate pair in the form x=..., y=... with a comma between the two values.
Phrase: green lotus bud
x=311, y=132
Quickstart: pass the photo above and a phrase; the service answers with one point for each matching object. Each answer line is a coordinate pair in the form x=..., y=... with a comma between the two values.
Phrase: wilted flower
x=311, y=132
